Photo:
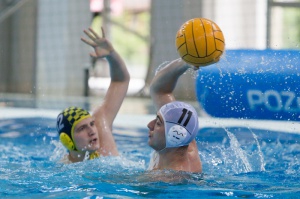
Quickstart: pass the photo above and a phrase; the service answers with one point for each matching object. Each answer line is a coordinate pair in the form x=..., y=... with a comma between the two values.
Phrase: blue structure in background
x=252, y=84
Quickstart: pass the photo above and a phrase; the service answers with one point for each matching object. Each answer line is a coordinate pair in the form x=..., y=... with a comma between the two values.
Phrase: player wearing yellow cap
x=88, y=136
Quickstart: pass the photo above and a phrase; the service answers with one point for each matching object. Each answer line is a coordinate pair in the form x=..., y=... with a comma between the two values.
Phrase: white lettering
x=60, y=124
x=272, y=94
x=273, y=100
x=291, y=97
x=255, y=97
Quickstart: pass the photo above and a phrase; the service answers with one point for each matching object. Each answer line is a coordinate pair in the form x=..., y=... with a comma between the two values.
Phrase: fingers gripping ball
x=200, y=42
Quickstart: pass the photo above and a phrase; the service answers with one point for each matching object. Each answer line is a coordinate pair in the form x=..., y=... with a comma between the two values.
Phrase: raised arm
x=164, y=82
x=106, y=112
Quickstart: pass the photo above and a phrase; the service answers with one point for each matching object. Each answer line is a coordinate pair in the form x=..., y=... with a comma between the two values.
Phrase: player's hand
x=101, y=45
x=183, y=63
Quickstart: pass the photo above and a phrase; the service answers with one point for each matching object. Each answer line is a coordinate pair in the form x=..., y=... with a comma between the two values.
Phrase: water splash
x=58, y=152
x=239, y=152
x=192, y=72
x=161, y=66
x=260, y=154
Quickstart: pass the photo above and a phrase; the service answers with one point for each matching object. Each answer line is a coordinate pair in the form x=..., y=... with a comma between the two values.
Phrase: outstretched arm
x=106, y=112
x=161, y=91
x=164, y=82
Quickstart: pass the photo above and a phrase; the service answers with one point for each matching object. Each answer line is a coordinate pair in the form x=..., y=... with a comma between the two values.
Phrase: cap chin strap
x=161, y=150
x=94, y=155
x=91, y=156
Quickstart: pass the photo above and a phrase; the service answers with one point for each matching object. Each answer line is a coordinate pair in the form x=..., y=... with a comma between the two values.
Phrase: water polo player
x=172, y=133
x=88, y=136
x=180, y=126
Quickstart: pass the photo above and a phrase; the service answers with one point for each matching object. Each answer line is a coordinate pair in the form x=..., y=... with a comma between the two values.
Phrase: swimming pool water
x=238, y=162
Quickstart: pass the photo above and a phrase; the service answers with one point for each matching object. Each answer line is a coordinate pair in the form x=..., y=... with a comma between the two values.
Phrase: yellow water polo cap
x=66, y=122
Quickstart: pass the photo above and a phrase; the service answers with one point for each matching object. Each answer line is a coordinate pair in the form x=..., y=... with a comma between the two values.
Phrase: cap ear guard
x=176, y=136
x=181, y=123
x=67, y=141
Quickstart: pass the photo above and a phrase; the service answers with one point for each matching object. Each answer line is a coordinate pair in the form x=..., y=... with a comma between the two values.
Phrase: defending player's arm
x=164, y=82
x=107, y=111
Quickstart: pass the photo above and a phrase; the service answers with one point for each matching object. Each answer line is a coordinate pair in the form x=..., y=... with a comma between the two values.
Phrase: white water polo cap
x=181, y=123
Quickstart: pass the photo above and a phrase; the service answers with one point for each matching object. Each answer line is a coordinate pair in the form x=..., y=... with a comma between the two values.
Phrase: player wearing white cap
x=172, y=133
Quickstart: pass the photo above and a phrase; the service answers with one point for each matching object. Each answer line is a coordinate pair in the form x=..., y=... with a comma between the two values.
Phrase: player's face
x=86, y=135
x=157, y=139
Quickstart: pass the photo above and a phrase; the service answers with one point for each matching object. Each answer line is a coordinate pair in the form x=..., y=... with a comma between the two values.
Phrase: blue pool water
x=238, y=162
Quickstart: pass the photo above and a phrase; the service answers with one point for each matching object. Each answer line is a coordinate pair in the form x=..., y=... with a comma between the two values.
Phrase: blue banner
x=252, y=84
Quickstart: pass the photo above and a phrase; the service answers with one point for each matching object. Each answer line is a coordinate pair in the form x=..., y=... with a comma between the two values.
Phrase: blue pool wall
x=252, y=84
